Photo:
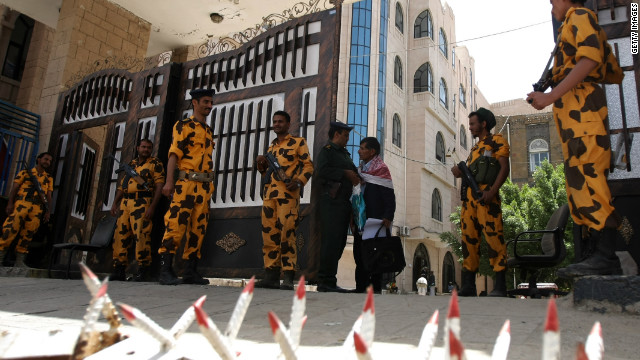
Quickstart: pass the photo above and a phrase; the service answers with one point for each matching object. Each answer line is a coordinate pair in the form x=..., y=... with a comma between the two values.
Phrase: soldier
x=191, y=153
x=134, y=223
x=281, y=198
x=584, y=59
x=28, y=201
x=489, y=161
x=337, y=175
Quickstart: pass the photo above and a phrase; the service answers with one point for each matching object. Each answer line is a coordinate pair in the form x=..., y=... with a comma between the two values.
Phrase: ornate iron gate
x=288, y=67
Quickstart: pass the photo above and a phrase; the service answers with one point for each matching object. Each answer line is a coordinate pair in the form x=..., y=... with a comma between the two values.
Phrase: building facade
x=400, y=78
x=403, y=80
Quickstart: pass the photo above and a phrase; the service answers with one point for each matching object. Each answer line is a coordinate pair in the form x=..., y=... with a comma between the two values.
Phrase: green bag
x=485, y=170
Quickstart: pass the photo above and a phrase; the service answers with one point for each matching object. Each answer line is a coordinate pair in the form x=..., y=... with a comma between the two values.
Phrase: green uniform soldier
x=337, y=175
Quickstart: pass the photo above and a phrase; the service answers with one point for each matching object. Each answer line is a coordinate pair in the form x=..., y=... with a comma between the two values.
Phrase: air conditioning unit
x=404, y=231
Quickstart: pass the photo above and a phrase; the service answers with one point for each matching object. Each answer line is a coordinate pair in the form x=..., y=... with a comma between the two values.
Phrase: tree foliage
x=523, y=208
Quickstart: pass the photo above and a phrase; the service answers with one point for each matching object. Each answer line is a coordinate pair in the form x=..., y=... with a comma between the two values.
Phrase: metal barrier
x=19, y=131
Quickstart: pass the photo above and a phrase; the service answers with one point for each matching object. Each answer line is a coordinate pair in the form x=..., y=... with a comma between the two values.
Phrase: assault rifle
x=469, y=181
x=545, y=80
x=38, y=189
x=130, y=172
x=276, y=168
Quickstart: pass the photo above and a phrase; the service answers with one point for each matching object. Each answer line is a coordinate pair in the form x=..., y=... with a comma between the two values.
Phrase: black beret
x=486, y=116
x=198, y=93
x=340, y=126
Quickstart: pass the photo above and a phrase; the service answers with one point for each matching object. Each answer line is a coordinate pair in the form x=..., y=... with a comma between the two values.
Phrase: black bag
x=383, y=254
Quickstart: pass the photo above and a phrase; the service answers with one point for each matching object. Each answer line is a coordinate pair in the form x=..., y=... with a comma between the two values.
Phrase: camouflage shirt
x=151, y=171
x=27, y=189
x=582, y=37
x=192, y=142
x=293, y=156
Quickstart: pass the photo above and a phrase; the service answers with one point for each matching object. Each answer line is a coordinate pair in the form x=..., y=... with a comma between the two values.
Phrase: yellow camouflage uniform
x=132, y=225
x=580, y=117
x=487, y=217
x=193, y=144
x=280, y=206
x=27, y=211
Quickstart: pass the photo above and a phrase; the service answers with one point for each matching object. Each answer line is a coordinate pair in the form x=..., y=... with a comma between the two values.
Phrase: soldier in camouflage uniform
x=584, y=59
x=25, y=208
x=137, y=209
x=281, y=202
x=337, y=175
x=191, y=154
x=484, y=214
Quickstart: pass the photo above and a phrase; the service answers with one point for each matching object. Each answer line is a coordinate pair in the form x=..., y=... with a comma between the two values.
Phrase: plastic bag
x=359, y=212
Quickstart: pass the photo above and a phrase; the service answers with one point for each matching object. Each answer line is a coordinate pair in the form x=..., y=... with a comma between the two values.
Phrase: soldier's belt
x=195, y=176
x=138, y=194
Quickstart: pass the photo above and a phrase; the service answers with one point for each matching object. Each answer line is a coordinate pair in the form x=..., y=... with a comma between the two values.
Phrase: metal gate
x=287, y=68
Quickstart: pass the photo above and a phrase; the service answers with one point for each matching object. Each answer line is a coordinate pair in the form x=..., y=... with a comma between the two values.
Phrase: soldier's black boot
x=191, y=275
x=500, y=288
x=3, y=254
x=142, y=274
x=287, y=283
x=603, y=261
x=271, y=279
x=167, y=276
x=20, y=260
x=118, y=272
x=468, y=284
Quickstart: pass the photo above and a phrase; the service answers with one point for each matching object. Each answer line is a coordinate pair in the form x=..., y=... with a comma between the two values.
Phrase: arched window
x=423, y=26
x=423, y=79
x=463, y=137
x=538, y=152
x=397, y=72
x=440, y=147
x=444, y=98
x=397, y=131
x=399, y=18
x=443, y=43
x=463, y=96
x=436, y=205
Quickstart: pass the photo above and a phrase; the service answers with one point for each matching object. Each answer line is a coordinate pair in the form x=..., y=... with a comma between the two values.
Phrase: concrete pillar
x=88, y=33
x=35, y=68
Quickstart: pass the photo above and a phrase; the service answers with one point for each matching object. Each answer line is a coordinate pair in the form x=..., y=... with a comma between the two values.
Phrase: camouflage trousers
x=279, y=218
x=188, y=214
x=580, y=117
x=23, y=222
x=488, y=219
x=133, y=227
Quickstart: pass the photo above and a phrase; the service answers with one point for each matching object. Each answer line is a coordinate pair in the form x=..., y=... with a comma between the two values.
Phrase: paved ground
x=47, y=305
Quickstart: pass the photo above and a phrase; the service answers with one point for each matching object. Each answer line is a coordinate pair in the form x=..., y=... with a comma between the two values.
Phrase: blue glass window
x=443, y=43
x=382, y=73
x=443, y=93
x=399, y=18
x=359, y=72
x=423, y=79
x=397, y=72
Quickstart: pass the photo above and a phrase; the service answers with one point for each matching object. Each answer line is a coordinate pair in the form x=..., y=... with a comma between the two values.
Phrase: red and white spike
x=213, y=335
x=233, y=327
x=501, y=348
x=455, y=348
x=93, y=284
x=428, y=336
x=281, y=337
x=143, y=322
x=551, y=337
x=365, y=325
x=181, y=326
x=298, y=318
x=452, y=325
x=362, y=350
x=93, y=311
x=595, y=344
x=368, y=328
